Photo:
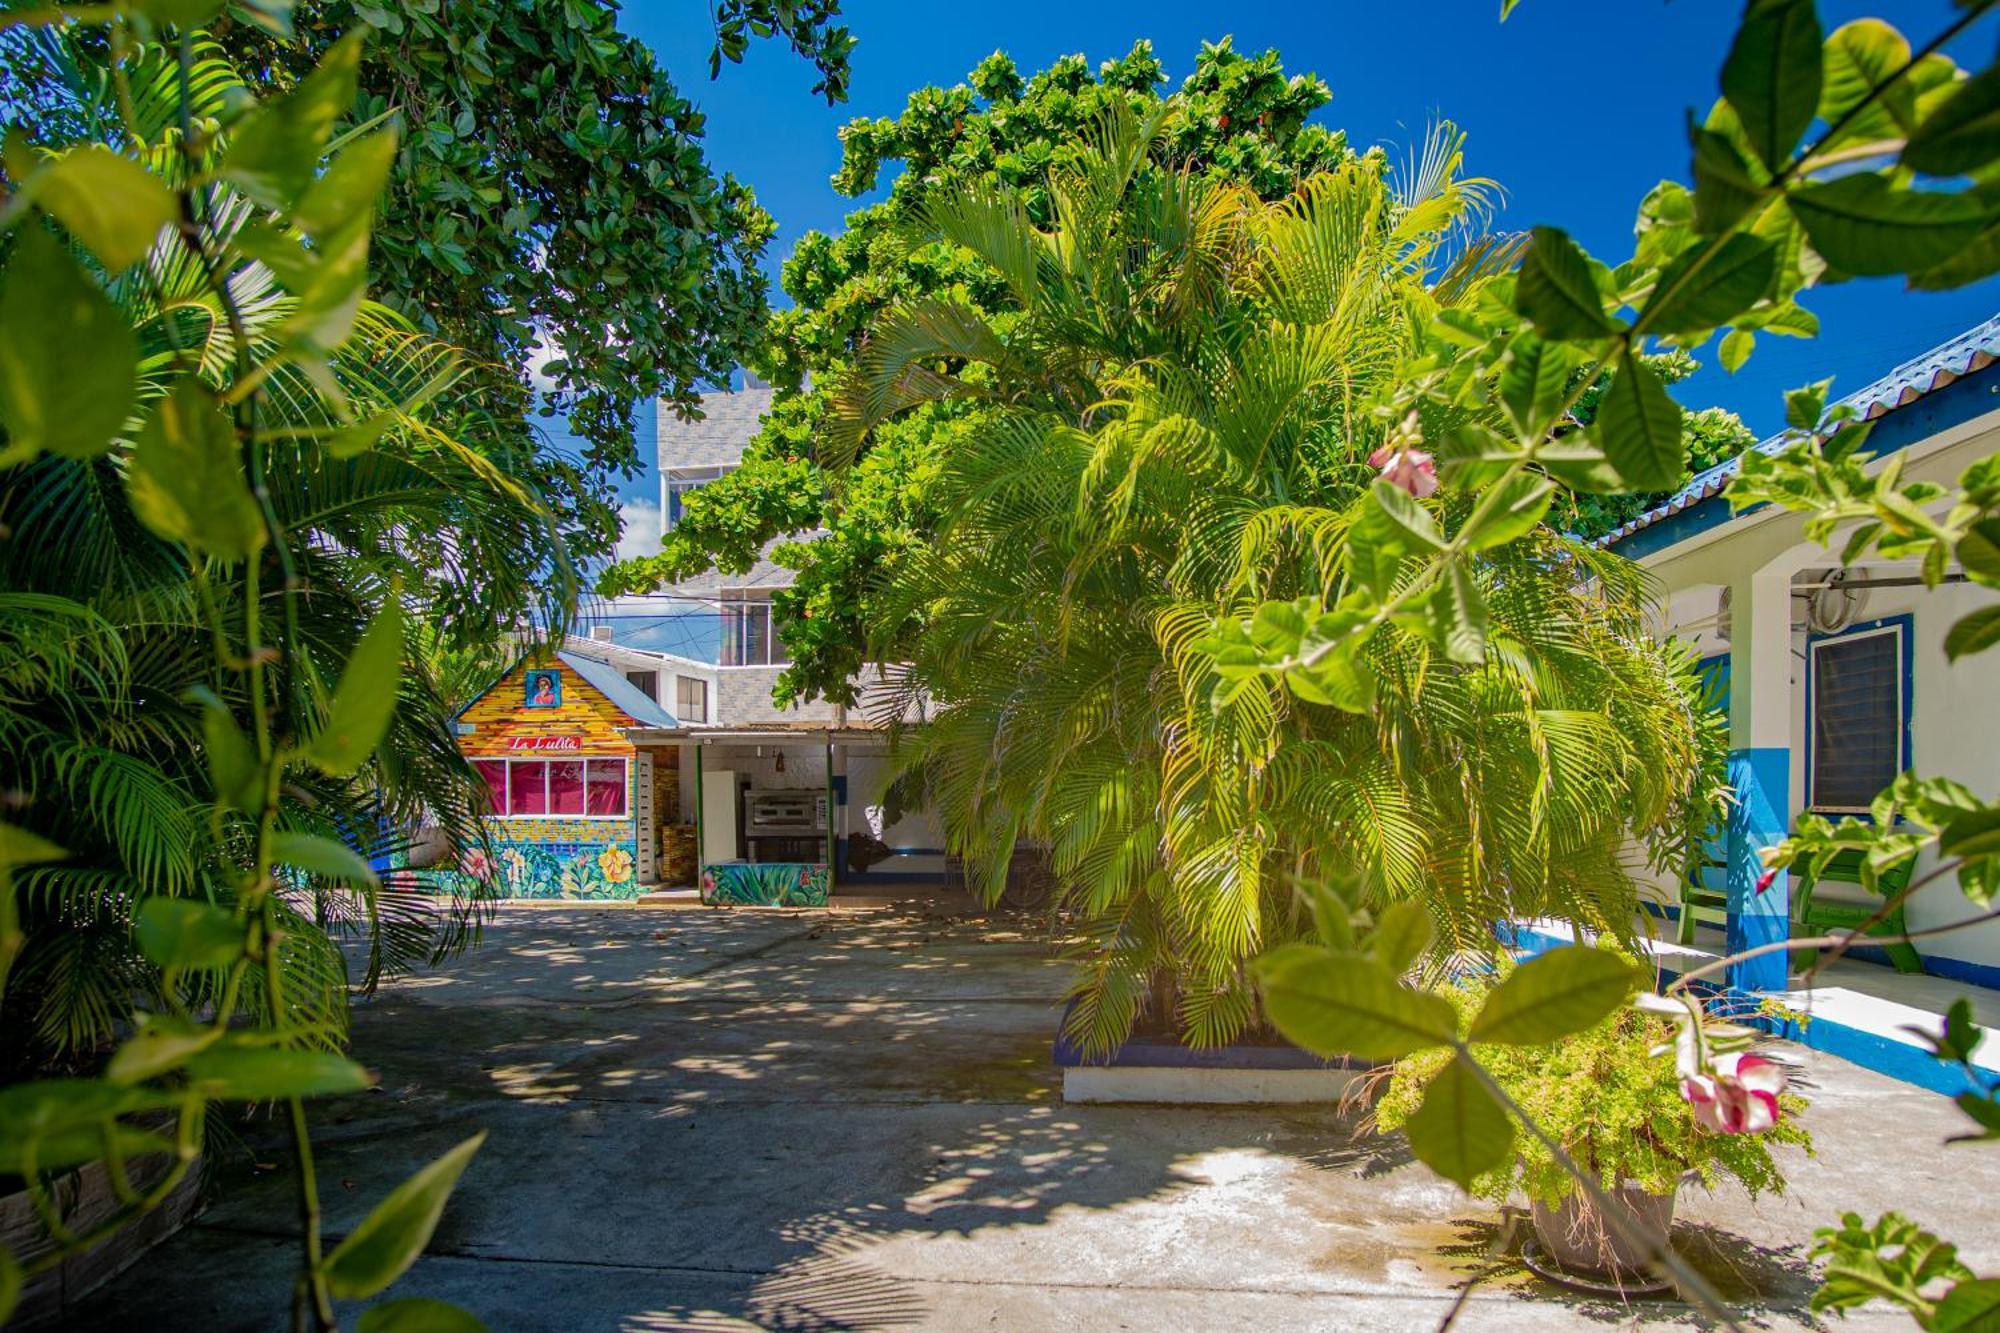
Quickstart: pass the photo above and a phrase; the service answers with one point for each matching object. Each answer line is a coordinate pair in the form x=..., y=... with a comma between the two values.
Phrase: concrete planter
x=85, y=1198
x=1577, y=1237
x=1241, y=1075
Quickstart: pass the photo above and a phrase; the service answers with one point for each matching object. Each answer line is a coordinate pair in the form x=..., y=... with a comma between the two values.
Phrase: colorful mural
x=765, y=884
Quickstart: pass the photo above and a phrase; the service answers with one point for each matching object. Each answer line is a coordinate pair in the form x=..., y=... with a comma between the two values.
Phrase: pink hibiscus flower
x=1412, y=469
x=1738, y=1096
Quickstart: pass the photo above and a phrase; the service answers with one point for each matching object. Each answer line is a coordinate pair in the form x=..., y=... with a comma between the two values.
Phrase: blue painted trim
x=1758, y=818
x=1885, y=1055
x=1970, y=395
x=840, y=789
x=1905, y=626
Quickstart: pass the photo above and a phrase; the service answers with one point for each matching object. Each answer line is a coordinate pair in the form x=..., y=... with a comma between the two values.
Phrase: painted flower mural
x=616, y=863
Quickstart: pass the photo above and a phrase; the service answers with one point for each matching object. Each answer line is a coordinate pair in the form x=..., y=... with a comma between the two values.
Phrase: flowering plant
x=1615, y=1102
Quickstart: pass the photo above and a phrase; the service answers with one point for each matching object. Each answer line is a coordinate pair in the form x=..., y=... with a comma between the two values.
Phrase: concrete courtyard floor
x=706, y=1120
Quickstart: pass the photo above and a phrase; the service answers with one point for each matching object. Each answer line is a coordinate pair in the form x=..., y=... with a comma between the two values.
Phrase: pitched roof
x=1975, y=349
x=609, y=681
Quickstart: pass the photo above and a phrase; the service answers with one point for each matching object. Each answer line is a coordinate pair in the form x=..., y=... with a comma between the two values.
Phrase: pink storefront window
x=528, y=787
x=607, y=786
x=566, y=787
x=494, y=771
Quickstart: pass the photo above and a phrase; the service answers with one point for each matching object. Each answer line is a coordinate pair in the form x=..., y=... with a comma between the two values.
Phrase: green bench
x=1705, y=899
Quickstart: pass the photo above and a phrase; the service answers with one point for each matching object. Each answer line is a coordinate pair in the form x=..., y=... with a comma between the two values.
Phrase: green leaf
x=1973, y=634
x=1581, y=466
x=1866, y=226
x=1771, y=78
x=18, y=847
x=68, y=357
x=391, y=1237
x=181, y=934
x=1558, y=993
x=184, y=14
x=1979, y=552
x=1974, y=833
x=1805, y=406
x=108, y=201
x=1458, y=614
x=1508, y=511
x=1404, y=511
x=1401, y=936
x=273, y=16
x=186, y=481
x=1725, y=186
x=233, y=770
x=1639, y=427
x=1736, y=347
x=365, y=699
x=347, y=192
x=1969, y=1307
x=241, y=1072
x=1860, y=57
x=322, y=856
x=1963, y=134
x=1533, y=383
x=274, y=154
x=60, y=1149
x=1460, y=1132
x=1557, y=292
x=1692, y=294
x=1335, y=1004
x=162, y=1044
x=418, y=1314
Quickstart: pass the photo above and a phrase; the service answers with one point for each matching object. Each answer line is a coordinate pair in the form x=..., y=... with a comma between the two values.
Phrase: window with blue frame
x=1858, y=716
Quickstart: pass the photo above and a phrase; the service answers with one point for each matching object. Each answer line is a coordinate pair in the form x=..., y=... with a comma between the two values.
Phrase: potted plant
x=1615, y=1100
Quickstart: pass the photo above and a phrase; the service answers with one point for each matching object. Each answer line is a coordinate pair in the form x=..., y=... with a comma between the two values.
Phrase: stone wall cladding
x=743, y=697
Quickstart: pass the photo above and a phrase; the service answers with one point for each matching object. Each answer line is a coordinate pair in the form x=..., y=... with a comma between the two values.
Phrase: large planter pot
x=1576, y=1236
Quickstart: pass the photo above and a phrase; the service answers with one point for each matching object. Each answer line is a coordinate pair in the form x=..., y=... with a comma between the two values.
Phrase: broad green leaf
x=274, y=154
x=1507, y=511
x=1969, y=1307
x=1859, y=58
x=1771, y=77
x=1639, y=427
x=1458, y=613
x=1581, y=466
x=1352, y=1005
x=182, y=934
x=108, y=201
x=1708, y=287
x=1736, y=347
x=1980, y=259
x=241, y=1072
x=186, y=481
x=59, y=1149
x=1973, y=634
x=18, y=847
x=1404, y=511
x=321, y=856
x=1984, y=1111
x=1561, y=992
x=164, y=1042
x=418, y=1314
x=1979, y=552
x=1725, y=186
x=180, y=13
x=1866, y=226
x=1963, y=134
x=1804, y=406
x=365, y=699
x=68, y=357
x=391, y=1237
x=233, y=769
x=350, y=186
x=1401, y=936
x=273, y=16
x=330, y=292
x=1533, y=383
x=1975, y=833
x=1460, y=1132
x=1557, y=292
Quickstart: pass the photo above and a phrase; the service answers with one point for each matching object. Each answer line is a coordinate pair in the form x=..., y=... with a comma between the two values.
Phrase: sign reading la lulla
x=545, y=742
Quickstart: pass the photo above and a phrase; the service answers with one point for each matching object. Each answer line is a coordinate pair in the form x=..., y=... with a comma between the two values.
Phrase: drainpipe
x=832, y=870
x=700, y=854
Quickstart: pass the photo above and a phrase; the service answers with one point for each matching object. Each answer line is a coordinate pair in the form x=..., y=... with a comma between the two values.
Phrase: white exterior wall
x=868, y=776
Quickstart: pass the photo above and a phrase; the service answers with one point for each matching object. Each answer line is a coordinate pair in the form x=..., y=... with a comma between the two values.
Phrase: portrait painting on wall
x=544, y=689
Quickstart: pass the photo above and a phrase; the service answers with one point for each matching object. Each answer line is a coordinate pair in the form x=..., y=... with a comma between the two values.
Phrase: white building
x=1838, y=680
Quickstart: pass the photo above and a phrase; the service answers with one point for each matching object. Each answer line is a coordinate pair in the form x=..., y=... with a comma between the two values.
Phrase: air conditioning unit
x=600, y=633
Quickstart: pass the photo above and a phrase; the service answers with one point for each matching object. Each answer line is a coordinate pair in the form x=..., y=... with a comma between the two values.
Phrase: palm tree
x=1173, y=431
x=382, y=477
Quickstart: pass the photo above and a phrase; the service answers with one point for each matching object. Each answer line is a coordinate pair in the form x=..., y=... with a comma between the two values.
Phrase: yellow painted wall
x=501, y=714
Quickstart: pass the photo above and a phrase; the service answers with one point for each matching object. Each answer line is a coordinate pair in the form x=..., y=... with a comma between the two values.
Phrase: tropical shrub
x=1612, y=1103
x=1173, y=439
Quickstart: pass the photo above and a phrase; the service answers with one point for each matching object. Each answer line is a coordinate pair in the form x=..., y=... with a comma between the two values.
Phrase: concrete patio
x=704, y=1120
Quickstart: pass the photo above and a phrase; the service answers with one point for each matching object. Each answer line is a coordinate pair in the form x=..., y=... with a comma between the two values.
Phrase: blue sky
x=1574, y=106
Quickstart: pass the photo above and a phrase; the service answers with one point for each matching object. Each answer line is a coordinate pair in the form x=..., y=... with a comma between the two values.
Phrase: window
x=748, y=637
x=1859, y=727
x=542, y=788
x=690, y=699
x=646, y=682
x=681, y=483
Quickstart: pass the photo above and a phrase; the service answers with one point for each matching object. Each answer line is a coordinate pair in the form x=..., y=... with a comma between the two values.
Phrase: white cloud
x=640, y=534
